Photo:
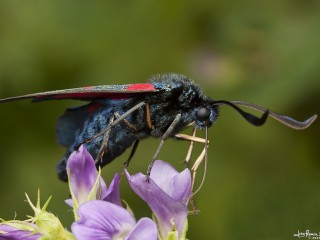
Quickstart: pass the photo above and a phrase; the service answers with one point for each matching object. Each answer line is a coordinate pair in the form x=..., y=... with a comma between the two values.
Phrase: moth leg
x=203, y=157
x=114, y=123
x=186, y=163
x=194, y=173
x=133, y=151
x=189, y=153
x=196, y=166
x=163, y=138
x=194, y=211
x=104, y=142
x=190, y=138
x=126, y=122
x=148, y=117
x=107, y=135
x=136, y=143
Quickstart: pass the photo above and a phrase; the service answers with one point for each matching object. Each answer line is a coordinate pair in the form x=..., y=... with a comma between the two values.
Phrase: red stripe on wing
x=141, y=87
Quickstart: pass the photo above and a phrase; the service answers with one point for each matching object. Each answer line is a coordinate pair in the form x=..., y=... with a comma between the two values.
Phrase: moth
x=119, y=116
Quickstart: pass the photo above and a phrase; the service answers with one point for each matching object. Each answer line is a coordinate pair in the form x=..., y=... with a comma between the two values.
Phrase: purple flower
x=167, y=194
x=12, y=231
x=105, y=220
x=85, y=181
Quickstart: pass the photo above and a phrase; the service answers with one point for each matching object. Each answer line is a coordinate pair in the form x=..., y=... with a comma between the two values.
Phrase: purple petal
x=176, y=185
x=165, y=208
x=162, y=172
x=11, y=233
x=145, y=229
x=113, y=193
x=83, y=174
x=102, y=220
x=69, y=202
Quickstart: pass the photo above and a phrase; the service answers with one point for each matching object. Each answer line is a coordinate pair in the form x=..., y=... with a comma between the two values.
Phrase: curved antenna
x=289, y=122
x=254, y=120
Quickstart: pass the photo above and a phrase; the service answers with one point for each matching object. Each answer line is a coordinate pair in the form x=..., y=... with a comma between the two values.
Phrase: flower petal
x=102, y=220
x=169, y=212
x=11, y=233
x=161, y=173
x=113, y=193
x=176, y=185
x=145, y=229
x=83, y=175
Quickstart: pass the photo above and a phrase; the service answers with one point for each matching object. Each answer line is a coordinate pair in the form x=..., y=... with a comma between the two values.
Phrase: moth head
x=206, y=115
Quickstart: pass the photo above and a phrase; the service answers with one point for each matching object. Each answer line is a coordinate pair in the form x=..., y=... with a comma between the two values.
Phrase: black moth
x=118, y=116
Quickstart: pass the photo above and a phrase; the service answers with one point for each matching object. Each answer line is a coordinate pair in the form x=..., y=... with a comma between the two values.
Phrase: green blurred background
x=262, y=183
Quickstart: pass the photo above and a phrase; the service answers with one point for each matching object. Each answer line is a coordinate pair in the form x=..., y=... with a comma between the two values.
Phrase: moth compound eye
x=203, y=114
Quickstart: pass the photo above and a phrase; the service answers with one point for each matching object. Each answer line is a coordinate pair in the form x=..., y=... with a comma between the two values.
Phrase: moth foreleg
x=163, y=138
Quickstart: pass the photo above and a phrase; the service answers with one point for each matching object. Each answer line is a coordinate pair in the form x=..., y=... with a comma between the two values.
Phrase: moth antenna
x=254, y=120
x=288, y=121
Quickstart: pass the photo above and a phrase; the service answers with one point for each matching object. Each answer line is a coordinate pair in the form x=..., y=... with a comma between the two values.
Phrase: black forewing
x=89, y=93
x=73, y=119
